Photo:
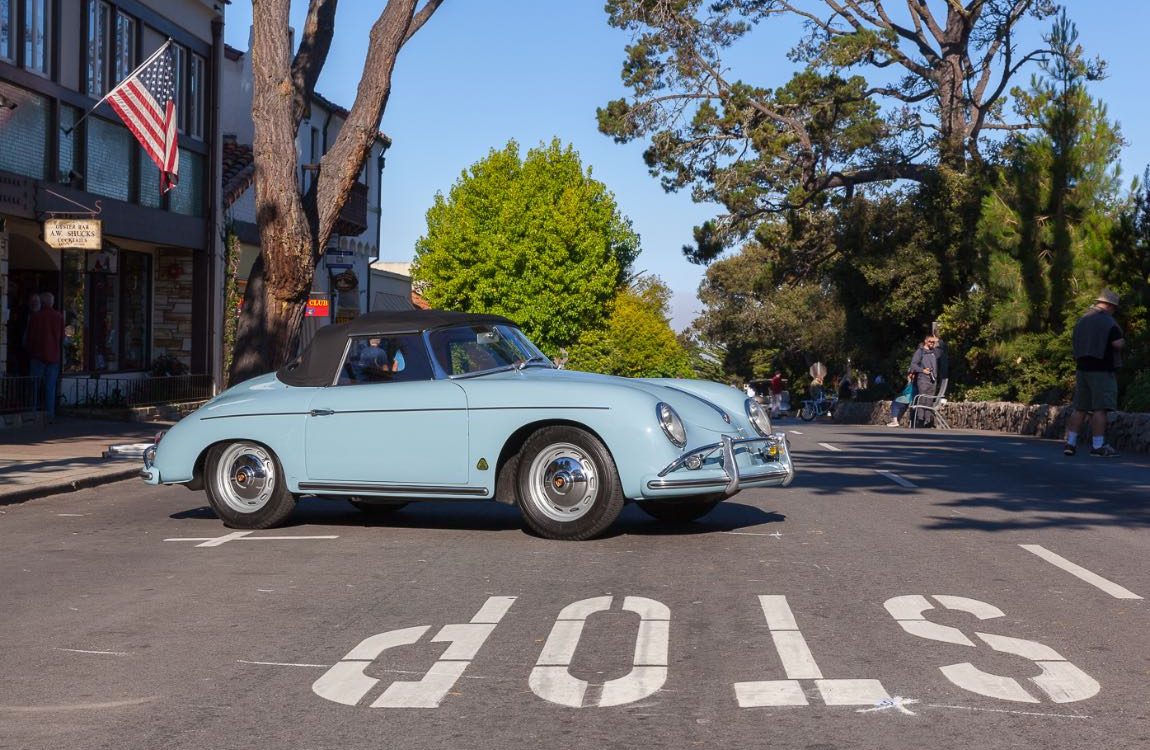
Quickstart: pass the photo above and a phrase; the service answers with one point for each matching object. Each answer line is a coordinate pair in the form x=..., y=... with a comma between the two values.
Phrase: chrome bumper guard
x=778, y=464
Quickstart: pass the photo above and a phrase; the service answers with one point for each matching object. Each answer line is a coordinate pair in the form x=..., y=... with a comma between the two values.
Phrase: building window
x=37, y=35
x=188, y=198
x=125, y=60
x=191, y=80
x=111, y=47
x=109, y=156
x=107, y=309
x=7, y=31
x=99, y=47
x=195, y=101
x=24, y=132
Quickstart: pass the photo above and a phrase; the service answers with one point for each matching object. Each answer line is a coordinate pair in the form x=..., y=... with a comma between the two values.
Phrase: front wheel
x=245, y=486
x=807, y=414
x=568, y=485
x=680, y=511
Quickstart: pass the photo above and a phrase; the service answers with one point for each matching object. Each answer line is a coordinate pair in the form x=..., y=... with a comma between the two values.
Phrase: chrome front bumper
x=149, y=473
x=715, y=467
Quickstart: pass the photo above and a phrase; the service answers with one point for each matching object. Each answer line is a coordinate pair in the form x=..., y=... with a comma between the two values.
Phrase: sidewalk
x=69, y=455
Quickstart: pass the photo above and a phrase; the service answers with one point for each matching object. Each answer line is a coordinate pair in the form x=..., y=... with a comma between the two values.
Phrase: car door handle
x=321, y=412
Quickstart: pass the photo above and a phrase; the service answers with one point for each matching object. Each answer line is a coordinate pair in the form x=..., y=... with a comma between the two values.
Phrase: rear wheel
x=375, y=510
x=680, y=511
x=245, y=486
x=568, y=485
x=807, y=414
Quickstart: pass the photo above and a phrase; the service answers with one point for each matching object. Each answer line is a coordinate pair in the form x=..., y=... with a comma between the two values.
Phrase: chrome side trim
x=394, y=489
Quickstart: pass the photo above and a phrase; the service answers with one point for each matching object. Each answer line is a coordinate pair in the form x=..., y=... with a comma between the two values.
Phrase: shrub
x=168, y=364
x=1137, y=398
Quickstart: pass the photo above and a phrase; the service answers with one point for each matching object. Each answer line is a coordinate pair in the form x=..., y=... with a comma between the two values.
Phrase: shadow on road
x=492, y=516
x=999, y=482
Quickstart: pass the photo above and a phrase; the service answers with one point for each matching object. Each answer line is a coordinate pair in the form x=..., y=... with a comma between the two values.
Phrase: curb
x=58, y=488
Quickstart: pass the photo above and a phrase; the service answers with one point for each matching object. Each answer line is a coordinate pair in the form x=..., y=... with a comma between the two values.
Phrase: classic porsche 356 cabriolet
x=426, y=405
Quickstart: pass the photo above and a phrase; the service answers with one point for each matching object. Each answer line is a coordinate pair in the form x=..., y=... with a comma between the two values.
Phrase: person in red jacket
x=44, y=341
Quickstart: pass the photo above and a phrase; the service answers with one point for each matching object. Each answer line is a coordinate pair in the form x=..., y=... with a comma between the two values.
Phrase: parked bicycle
x=818, y=407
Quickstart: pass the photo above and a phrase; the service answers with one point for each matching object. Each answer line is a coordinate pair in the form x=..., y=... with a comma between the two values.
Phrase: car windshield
x=474, y=349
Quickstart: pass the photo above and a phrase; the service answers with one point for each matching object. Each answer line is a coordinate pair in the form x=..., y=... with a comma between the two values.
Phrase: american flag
x=145, y=101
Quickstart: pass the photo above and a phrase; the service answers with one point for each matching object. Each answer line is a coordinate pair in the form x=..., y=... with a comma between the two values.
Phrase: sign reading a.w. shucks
x=83, y=234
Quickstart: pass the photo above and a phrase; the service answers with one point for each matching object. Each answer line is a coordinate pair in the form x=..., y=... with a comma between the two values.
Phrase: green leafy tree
x=637, y=340
x=763, y=324
x=1127, y=270
x=883, y=96
x=1046, y=232
x=536, y=239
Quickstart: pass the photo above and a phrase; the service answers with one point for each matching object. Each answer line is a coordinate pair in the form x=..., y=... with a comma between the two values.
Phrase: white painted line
x=770, y=693
x=71, y=515
x=852, y=692
x=778, y=612
x=223, y=539
x=1116, y=591
x=798, y=661
x=281, y=664
x=281, y=538
x=830, y=447
x=1005, y=711
x=896, y=479
x=83, y=651
x=216, y=541
x=796, y=432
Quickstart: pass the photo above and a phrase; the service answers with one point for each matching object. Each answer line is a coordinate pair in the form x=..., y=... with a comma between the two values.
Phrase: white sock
x=1096, y=442
x=1072, y=438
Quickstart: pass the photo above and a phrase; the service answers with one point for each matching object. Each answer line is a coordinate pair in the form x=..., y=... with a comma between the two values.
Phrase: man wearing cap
x=1098, y=342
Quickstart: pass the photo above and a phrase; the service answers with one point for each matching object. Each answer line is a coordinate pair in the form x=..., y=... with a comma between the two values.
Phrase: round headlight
x=760, y=420
x=672, y=426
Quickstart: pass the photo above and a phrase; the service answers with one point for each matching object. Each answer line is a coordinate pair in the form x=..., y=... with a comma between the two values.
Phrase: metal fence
x=19, y=393
x=121, y=392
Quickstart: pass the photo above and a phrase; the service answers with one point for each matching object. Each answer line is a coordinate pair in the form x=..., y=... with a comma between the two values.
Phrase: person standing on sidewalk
x=45, y=340
x=1098, y=342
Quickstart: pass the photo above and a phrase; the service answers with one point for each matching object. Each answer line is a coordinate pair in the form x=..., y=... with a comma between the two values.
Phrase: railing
x=118, y=392
x=19, y=393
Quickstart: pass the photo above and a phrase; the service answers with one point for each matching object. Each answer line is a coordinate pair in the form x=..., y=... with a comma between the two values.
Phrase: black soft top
x=317, y=364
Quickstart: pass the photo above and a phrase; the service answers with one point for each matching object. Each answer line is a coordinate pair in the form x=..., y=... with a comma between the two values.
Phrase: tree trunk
x=293, y=227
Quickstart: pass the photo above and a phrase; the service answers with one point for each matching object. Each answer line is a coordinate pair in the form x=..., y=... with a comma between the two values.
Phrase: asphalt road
x=931, y=605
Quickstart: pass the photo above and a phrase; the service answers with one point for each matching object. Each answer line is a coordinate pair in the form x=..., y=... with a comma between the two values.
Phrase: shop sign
x=345, y=282
x=83, y=234
x=318, y=307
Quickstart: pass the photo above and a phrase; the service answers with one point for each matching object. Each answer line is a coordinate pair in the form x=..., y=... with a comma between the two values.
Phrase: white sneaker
x=892, y=423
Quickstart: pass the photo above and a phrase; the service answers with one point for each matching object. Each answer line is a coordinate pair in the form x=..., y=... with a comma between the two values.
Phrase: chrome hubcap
x=563, y=482
x=246, y=478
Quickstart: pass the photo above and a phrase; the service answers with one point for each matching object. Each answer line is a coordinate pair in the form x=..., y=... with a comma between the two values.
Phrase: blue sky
x=482, y=72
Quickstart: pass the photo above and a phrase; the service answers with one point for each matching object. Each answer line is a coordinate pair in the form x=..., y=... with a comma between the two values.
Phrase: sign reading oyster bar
x=83, y=234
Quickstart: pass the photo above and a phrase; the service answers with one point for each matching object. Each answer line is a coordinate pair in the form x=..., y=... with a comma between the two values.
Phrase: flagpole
x=141, y=66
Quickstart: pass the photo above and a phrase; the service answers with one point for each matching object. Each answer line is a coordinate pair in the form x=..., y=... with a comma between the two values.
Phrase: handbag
x=906, y=395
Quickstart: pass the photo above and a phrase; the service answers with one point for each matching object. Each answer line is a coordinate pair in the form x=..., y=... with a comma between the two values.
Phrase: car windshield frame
x=467, y=351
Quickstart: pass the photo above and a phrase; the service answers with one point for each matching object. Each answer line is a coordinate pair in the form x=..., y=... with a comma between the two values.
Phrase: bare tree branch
x=426, y=12
x=314, y=45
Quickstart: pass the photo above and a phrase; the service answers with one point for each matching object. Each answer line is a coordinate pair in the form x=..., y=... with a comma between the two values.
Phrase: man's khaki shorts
x=1096, y=391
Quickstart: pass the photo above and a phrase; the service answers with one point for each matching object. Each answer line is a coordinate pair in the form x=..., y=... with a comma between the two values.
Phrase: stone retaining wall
x=1126, y=431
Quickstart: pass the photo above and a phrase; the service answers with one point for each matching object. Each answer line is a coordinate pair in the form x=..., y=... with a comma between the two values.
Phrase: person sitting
x=901, y=402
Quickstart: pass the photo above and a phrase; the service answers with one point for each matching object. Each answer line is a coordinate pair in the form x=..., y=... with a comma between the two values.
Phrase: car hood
x=689, y=401
x=262, y=394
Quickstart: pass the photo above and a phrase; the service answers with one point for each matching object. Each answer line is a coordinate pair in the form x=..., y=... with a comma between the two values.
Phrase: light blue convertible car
x=392, y=408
